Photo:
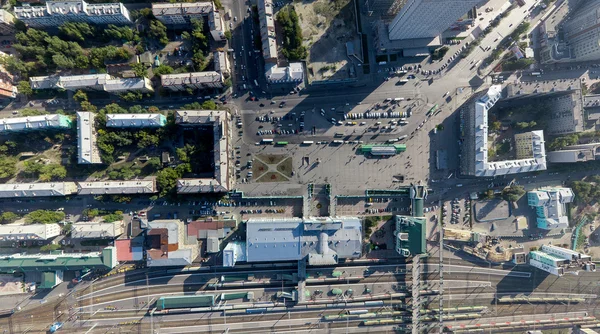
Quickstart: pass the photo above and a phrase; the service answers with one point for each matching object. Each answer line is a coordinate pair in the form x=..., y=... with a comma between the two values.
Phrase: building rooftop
x=18, y=232
x=323, y=240
x=88, y=152
x=194, y=78
x=168, y=245
x=485, y=168
x=135, y=120
x=182, y=9
x=410, y=236
x=42, y=189
x=218, y=120
x=107, y=259
x=267, y=29
x=73, y=8
x=550, y=206
x=96, y=230
x=575, y=153
x=145, y=186
x=102, y=81
x=294, y=72
x=234, y=252
x=41, y=122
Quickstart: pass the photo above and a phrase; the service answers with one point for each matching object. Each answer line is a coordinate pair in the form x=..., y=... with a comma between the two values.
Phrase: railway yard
x=354, y=298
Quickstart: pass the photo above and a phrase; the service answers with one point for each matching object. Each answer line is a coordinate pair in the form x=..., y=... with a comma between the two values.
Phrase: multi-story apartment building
x=87, y=149
x=99, y=82
x=55, y=13
x=194, y=80
x=7, y=23
x=427, y=18
x=185, y=13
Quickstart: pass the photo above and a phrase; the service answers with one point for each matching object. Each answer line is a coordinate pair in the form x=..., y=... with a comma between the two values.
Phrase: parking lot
x=372, y=206
x=385, y=120
x=457, y=213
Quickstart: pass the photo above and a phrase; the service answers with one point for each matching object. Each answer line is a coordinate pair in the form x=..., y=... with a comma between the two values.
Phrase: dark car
x=282, y=104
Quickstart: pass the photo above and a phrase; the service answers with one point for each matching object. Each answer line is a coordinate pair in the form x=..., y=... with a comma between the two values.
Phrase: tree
x=113, y=217
x=158, y=31
x=91, y=213
x=182, y=155
x=44, y=217
x=521, y=125
x=146, y=139
x=76, y=31
x=292, y=34
x=163, y=69
x=228, y=35
x=209, y=105
x=513, y=193
x=8, y=217
x=25, y=88
x=80, y=96
x=63, y=62
x=50, y=247
x=140, y=70
x=166, y=180
x=87, y=106
x=496, y=125
x=7, y=166
x=131, y=96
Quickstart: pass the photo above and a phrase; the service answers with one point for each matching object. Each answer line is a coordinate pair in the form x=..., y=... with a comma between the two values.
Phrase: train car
x=357, y=311
x=175, y=302
x=373, y=303
x=258, y=310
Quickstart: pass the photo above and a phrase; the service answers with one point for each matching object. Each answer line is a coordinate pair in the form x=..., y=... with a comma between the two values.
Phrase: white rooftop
x=145, y=186
x=15, y=190
x=194, y=78
x=485, y=168
x=96, y=230
x=29, y=232
x=86, y=139
x=182, y=9
x=135, y=120
x=34, y=122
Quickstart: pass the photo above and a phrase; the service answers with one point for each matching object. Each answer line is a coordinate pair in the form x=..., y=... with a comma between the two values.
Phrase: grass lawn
x=272, y=177
x=285, y=167
x=258, y=168
x=272, y=159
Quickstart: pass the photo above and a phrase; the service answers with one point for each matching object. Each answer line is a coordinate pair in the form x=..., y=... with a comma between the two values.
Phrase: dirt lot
x=327, y=26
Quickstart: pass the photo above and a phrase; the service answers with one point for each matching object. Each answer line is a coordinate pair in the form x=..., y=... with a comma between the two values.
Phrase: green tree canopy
x=513, y=193
x=8, y=217
x=44, y=217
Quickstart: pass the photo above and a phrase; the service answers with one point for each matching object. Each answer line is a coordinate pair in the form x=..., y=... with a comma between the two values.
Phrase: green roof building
x=410, y=236
x=58, y=261
x=50, y=279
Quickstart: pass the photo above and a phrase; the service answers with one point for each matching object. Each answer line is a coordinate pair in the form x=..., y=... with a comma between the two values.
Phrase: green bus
x=432, y=110
x=281, y=143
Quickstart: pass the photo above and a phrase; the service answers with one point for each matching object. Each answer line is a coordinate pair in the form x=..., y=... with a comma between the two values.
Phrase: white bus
x=267, y=141
x=308, y=142
x=398, y=99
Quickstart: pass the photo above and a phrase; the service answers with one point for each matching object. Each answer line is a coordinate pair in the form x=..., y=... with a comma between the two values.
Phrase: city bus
x=308, y=142
x=267, y=141
x=281, y=143
x=432, y=110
